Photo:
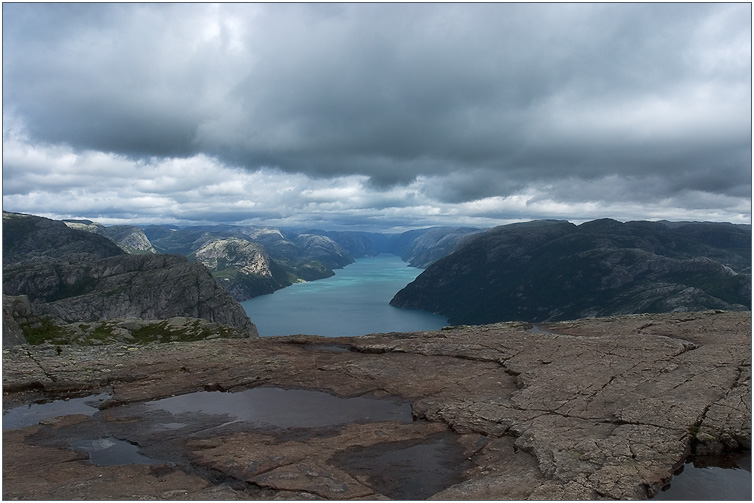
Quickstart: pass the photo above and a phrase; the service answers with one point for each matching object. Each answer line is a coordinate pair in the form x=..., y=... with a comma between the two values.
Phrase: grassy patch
x=43, y=330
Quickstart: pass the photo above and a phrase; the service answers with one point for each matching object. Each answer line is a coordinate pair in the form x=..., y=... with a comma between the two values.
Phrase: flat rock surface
x=591, y=409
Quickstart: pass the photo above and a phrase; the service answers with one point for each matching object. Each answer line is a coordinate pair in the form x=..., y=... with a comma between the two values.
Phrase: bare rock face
x=130, y=238
x=323, y=249
x=251, y=261
x=149, y=287
x=583, y=410
x=16, y=310
x=72, y=276
x=242, y=267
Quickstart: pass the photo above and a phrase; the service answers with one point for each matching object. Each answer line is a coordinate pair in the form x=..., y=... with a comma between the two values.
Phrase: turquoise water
x=353, y=302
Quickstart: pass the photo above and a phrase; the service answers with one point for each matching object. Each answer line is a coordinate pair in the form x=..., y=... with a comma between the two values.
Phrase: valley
x=140, y=376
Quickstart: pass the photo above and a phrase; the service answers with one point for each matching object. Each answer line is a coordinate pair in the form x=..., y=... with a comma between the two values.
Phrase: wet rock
x=589, y=409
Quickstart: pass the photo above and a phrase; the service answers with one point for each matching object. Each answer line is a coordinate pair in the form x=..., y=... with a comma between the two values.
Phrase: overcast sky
x=377, y=116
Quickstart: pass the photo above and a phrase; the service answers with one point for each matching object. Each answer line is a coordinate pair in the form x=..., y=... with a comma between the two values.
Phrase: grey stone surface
x=591, y=409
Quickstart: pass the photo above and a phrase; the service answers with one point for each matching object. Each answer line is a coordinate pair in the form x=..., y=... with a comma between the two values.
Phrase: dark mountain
x=29, y=238
x=553, y=270
x=71, y=275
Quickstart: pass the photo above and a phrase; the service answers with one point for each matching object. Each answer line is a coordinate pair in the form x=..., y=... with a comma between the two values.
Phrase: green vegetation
x=45, y=331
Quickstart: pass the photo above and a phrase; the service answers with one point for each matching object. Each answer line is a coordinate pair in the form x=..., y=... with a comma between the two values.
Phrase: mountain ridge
x=552, y=271
x=70, y=275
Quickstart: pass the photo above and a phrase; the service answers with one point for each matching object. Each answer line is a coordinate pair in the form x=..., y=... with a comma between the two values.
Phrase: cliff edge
x=70, y=276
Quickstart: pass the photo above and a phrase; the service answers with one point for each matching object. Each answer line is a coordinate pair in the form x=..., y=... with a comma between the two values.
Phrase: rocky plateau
x=602, y=408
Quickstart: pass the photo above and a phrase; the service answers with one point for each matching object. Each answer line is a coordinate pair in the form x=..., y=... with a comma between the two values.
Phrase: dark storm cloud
x=494, y=97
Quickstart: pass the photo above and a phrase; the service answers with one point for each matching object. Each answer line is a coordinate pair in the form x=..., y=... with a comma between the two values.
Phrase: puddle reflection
x=711, y=478
x=112, y=452
x=283, y=408
x=31, y=414
x=407, y=472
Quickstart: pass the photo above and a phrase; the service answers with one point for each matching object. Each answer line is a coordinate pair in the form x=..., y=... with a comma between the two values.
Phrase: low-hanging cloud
x=462, y=102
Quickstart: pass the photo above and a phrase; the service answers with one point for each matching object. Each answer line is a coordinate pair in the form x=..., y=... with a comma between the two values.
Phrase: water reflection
x=285, y=408
x=711, y=478
x=33, y=413
x=112, y=452
x=407, y=472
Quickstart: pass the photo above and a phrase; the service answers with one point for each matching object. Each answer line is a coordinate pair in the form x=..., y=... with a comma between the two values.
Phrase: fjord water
x=353, y=302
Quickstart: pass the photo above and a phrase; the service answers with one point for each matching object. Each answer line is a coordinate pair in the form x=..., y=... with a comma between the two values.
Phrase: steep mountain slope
x=323, y=249
x=149, y=287
x=358, y=244
x=244, y=268
x=130, y=238
x=28, y=237
x=291, y=257
x=550, y=270
x=71, y=275
x=430, y=245
x=179, y=240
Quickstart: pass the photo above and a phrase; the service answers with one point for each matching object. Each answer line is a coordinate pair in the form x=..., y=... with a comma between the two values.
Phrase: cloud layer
x=385, y=114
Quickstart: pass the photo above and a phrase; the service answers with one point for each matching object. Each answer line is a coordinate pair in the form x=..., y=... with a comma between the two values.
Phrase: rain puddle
x=413, y=472
x=284, y=408
x=711, y=478
x=32, y=414
x=112, y=451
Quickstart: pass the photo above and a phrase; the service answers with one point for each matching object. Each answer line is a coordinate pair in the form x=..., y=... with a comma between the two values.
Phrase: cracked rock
x=619, y=404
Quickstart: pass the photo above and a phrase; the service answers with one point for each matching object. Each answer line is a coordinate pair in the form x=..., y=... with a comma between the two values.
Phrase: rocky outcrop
x=244, y=268
x=290, y=258
x=16, y=311
x=149, y=287
x=582, y=410
x=136, y=331
x=130, y=238
x=323, y=249
x=23, y=325
x=550, y=270
x=71, y=275
x=178, y=240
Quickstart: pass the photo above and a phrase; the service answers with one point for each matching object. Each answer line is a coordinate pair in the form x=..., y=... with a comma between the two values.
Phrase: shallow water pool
x=706, y=478
x=268, y=407
x=31, y=414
